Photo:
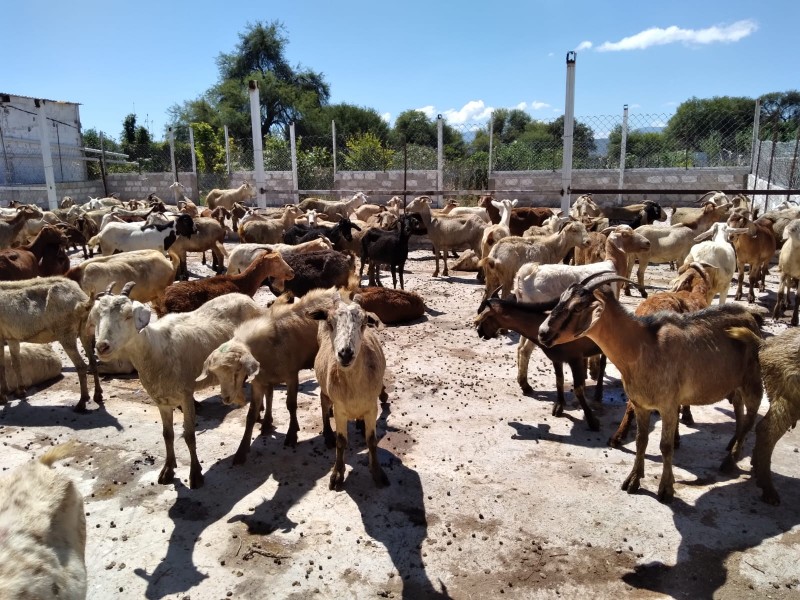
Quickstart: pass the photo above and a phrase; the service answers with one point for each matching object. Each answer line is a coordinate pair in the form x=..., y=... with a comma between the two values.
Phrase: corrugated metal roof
x=34, y=98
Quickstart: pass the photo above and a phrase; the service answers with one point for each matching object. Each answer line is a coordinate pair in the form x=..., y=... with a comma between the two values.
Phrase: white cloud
x=536, y=105
x=430, y=111
x=474, y=110
x=521, y=106
x=387, y=117
x=656, y=36
x=634, y=105
x=584, y=45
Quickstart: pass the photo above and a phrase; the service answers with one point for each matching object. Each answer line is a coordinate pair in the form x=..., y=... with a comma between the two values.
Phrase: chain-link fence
x=778, y=163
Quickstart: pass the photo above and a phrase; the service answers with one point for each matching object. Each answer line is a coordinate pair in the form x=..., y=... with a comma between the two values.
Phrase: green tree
x=365, y=152
x=209, y=150
x=696, y=119
x=780, y=110
x=350, y=120
x=413, y=127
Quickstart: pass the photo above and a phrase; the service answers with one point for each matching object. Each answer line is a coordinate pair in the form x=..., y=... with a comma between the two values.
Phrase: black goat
x=297, y=234
x=320, y=269
x=381, y=247
x=525, y=319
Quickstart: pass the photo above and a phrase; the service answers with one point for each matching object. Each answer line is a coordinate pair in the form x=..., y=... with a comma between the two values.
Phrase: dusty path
x=489, y=493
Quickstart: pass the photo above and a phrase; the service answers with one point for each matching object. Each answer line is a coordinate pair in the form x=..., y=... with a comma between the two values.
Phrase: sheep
x=186, y=296
x=269, y=231
x=42, y=310
x=509, y=254
x=525, y=319
x=168, y=354
x=349, y=367
x=379, y=247
x=672, y=243
x=334, y=209
x=244, y=254
x=124, y=237
x=689, y=293
x=205, y=234
x=701, y=363
x=272, y=349
x=150, y=270
x=42, y=531
x=755, y=248
x=780, y=373
x=43, y=256
x=789, y=266
x=495, y=232
x=9, y=230
x=390, y=305
x=719, y=253
x=229, y=197
x=319, y=269
x=446, y=233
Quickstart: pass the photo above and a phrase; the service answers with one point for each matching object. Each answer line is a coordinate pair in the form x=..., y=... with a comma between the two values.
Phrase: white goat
x=168, y=355
x=244, y=254
x=717, y=252
x=789, y=266
x=227, y=198
x=493, y=233
x=349, y=368
x=42, y=532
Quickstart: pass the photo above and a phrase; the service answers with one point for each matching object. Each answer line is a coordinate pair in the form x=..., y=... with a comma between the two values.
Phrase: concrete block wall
x=548, y=183
x=279, y=185
x=78, y=191
x=375, y=181
x=135, y=186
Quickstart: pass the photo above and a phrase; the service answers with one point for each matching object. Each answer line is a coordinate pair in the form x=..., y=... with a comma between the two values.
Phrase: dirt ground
x=490, y=495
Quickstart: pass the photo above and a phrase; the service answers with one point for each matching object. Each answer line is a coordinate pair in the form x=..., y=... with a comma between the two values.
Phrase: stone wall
x=546, y=184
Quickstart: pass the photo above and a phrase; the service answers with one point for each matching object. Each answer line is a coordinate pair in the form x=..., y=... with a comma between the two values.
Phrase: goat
x=42, y=310
x=379, y=247
x=780, y=373
x=691, y=214
x=168, y=354
x=495, y=232
x=789, y=266
x=269, y=231
x=244, y=254
x=318, y=269
x=634, y=215
x=447, y=233
x=42, y=532
x=335, y=210
x=229, y=197
x=718, y=253
x=271, y=349
x=510, y=253
x=185, y=296
x=9, y=230
x=522, y=217
x=525, y=319
x=298, y=234
x=124, y=237
x=687, y=346
x=349, y=367
x=43, y=256
x=75, y=237
x=689, y=294
x=390, y=305
x=204, y=234
x=755, y=248
x=150, y=270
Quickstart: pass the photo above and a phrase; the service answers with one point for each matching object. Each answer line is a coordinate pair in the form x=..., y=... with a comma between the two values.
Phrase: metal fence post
x=790, y=182
x=771, y=158
x=227, y=152
x=47, y=157
x=172, y=153
x=103, y=165
x=491, y=142
x=194, y=157
x=333, y=138
x=293, y=144
x=258, y=150
x=623, y=151
x=756, y=132
x=569, y=128
x=439, y=158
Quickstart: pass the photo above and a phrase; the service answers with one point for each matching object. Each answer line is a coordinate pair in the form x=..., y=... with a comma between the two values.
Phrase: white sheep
x=42, y=532
x=168, y=355
x=349, y=368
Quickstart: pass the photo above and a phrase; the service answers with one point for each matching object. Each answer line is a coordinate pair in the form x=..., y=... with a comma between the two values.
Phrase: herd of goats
x=555, y=279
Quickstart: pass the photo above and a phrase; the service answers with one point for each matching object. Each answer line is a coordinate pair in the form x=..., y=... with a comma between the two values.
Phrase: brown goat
x=522, y=217
x=392, y=306
x=186, y=296
x=689, y=294
x=43, y=256
x=755, y=248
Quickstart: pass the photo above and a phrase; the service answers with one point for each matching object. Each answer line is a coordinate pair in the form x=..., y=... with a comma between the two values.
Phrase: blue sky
x=458, y=59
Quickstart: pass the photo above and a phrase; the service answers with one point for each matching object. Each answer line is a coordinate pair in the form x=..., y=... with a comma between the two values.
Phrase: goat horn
x=614, y=278
x=126, y=290
x=593, y=275
x=108, y=289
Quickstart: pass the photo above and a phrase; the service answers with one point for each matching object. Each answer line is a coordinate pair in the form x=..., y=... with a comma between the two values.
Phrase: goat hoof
x=380, y=478
x=687, y=418
x=794, y=322
x=337, y=479
x=3, y=400
x=383, y=396
x=526, y=387
x=558, y=409
x=728, y=466
x=666, y=495
x=166, y=476
x=291, y=440
x=614, y=442
x=631, y=484
x=770, y=497
x=20, y=393
x=79, y=408
x=196, y=480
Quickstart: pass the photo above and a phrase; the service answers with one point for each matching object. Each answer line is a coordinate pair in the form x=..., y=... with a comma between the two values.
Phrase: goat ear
x=206, y=377
x=250, y=364
x=317, y=315
x=374, y=321
x=514, y=202
x=141, y=315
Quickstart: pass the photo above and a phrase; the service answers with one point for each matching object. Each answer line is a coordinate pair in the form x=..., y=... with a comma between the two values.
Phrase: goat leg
x=16, y=368
x=195, y=471
x=168, y=471
x=686, y=415
x=291, y=406
x=378, y=475
x=70, y=346
x=558, y=405
x=337, y=474
x=631, y=483
x=327, y=432
x=601, y=372
x=615, y=441
x=579, y=379
x=769, y=430
x=266, y=421
x=669, y=425
x=524, y=350
x=253, y=413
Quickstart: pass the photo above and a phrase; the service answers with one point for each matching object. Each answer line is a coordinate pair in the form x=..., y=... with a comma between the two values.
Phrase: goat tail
x=486, y=262
x=211, y=202
x=58, y=452
x=221, y=248
x=746, y=335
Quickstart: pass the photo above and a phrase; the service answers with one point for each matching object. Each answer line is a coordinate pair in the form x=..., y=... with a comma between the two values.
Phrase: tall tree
x=351, y=120
x=697, y=119
x=781, y=110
